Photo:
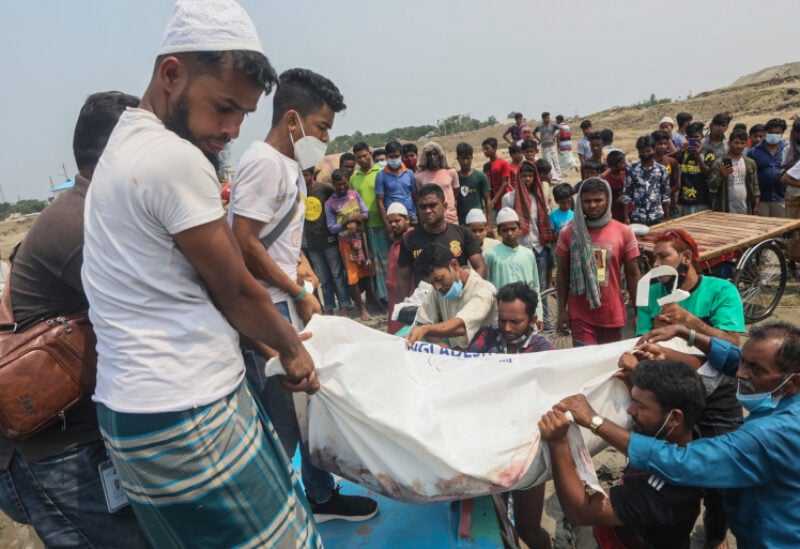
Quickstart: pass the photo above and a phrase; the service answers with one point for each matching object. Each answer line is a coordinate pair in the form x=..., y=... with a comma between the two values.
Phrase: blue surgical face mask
x=773, y=138
x=382, y=164
x=394, y=163
x=760, y=402
x=455, y=289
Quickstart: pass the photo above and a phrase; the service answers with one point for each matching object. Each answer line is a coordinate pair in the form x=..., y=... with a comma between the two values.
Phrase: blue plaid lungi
x=209, y=477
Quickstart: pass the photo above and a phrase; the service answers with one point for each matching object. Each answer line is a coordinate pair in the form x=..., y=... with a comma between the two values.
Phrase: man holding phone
x=733, y=180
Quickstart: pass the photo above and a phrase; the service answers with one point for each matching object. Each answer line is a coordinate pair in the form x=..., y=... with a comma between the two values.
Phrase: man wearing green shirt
x=508, y=261
x=363, y=182
x=474, y=192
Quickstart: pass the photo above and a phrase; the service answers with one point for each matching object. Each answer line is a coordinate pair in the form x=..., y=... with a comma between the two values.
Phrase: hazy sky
x=397, y=63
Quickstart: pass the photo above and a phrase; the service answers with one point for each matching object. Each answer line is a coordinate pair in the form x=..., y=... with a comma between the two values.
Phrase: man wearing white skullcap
x=168, y=291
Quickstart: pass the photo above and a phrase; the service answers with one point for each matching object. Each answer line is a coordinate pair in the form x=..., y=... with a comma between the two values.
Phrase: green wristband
x=692, y=336
x=301, y=295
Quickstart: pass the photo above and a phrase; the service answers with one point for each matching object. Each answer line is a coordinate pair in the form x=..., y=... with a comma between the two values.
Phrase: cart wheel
x=560, y=340
x=761, y=280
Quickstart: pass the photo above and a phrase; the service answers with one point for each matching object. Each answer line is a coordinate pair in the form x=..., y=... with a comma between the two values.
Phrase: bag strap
x=273, y=235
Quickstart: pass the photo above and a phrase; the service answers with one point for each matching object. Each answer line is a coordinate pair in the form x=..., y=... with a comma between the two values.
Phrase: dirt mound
x=777, y=73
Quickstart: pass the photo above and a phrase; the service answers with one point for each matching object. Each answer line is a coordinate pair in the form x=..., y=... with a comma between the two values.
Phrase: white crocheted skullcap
x=475, y=216
x=209, y=25
x=507, y=215
x=397, y=208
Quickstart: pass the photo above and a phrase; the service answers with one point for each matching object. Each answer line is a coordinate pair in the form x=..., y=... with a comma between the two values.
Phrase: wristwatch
x=596, y=422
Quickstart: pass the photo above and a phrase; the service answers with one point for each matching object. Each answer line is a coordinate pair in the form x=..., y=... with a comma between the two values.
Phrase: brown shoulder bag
x=45, y=371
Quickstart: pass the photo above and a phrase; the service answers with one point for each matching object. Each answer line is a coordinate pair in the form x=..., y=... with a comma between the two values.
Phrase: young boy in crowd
x=693, y=196
x=516, y=156
x=614, y=175
x=593, y=168
x=531, y=207
x=583, y=145
x=679, y=135
x=474, y=190
x=646, y=185
x=545, y=170
x=410, y=152
x=562, y=216
x=756, y=134
x=509, y=262
x=663, y=142
x=344, y=211
x=530, y=148
x=497, y=170
x=476, y=222
x=595, y=153
x=399, y=224
x=547, y=133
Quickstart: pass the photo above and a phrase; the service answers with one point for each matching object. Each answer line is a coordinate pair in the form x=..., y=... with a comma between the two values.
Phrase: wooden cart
x=751, y=245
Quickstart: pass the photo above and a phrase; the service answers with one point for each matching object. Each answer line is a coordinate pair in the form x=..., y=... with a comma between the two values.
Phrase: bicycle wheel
x=560, y=340
x=761, y=280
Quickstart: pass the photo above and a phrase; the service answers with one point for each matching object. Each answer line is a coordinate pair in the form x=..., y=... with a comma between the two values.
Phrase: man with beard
x=51, y=480
x=267, y=215
x=433, y=228
x=516, y=332
x=591, y=254
x=645, y=510
x=168, y=290
x=434, y=169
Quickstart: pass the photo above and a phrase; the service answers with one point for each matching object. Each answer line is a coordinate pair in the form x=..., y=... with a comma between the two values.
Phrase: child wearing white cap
x=479, y=226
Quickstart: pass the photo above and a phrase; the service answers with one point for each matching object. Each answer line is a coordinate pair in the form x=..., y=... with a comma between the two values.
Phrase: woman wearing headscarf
x=434, y=169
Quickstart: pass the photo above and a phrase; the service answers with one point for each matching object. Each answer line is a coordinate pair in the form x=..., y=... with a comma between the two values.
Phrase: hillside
x=778, y=72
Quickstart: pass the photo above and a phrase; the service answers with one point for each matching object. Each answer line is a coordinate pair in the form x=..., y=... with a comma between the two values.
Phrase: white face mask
x=308, y=151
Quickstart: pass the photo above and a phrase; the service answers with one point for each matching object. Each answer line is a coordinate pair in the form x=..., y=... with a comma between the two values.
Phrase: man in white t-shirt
x=267, y=214
x=168, y=291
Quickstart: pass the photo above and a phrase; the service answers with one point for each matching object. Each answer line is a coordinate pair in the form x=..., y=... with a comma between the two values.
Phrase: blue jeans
x=327, y=264
x=279, y=405
x=543, y=260
x=63, y=499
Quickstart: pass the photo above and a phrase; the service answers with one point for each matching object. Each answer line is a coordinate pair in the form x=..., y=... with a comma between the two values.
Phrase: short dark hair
x=409, y=147
x=543, y=165
x=514, y=148
x=545, y=114
x=306, y=92
x=378, y=152
x=595, y=165
x=430, y=188
x=348, y=156
x=98, y=116
x=517, y=115
x=756, y=128
x=529, y=144
x=788, y=355
x=645, y=141
x=614, y=158
x=675, y=386
x=738, y=134
x=559, y=118
x=596, y=135
x=607, y=136
x=527, y=167
x=464, y=149
x=338, y=174
x=683, y=118
x=740, y=126
x=586, y=124
x=491, y=141
x=252, y=64
x=660, y=135
x=722, y=119
x=695, y=128
x=393, y=147
x=360, y=146
x=594, y=185
x=433, y=256
x=562, y=191
x=775, y=123
x=519, y=290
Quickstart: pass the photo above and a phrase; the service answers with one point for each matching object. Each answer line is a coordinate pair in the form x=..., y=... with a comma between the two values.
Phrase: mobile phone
x=693, y=142
x=727, y=162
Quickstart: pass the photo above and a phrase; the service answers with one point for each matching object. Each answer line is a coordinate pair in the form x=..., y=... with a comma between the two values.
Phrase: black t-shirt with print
x=694, y=186
x=315, y=234
x=458, y=239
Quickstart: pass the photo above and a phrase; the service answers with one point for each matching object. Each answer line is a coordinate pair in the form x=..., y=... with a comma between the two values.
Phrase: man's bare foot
x=365, y=315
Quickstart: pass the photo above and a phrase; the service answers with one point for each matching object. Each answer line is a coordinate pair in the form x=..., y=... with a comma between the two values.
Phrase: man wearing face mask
x=460, y=303
x=267, y=214
x=645, y=510
x=755, y=467
x=768, y=156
